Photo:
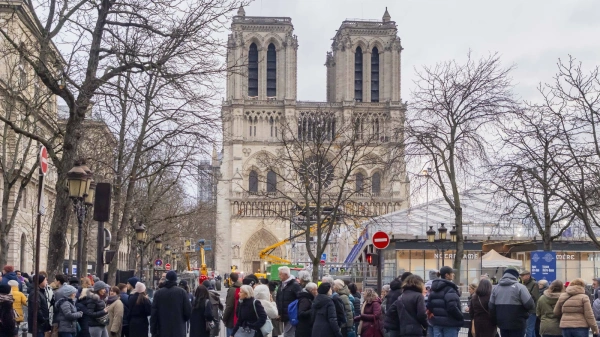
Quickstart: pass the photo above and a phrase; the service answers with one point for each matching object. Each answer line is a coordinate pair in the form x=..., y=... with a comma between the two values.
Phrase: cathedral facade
x=363, y=83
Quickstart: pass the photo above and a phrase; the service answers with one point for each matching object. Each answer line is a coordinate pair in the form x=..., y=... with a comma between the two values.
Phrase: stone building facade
x=363, y=84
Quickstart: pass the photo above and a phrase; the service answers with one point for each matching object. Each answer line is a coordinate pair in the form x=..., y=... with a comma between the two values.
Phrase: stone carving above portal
x=246, y=151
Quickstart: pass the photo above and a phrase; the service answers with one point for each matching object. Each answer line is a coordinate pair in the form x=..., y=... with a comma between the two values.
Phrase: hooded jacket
x=92, y=307
x=444, y=304
x=262, y=294
x=370, y=317
x=390, y=321
x=574, y=309
x=20, y=300
x=549, y=324
x=344, y=295
x=510, y=303
x=305, y=301
x=12, y=276
x=395, y=291
x=217, y=306
x=324, y=317
x=171, y=308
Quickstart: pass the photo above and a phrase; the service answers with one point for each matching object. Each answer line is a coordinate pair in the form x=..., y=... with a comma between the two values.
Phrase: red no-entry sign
x=322, y=262
x=168, y=266
x=44, y=160
x=381, y=240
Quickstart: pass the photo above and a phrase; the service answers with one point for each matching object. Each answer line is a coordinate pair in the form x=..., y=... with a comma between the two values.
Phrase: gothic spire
x=241, y=11
x=386, y=16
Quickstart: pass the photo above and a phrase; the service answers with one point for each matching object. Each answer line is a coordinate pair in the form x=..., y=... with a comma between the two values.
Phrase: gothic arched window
x=358, y=75
x=253, y=71
x=359, y=182
x=375, y=75
x=271, y=182
x=376, y=183
x=271, y=71
x=253, y=182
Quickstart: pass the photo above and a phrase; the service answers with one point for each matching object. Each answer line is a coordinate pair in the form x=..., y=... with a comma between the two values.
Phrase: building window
x=271, y=182
x=252, y=122
x=358, y=75
x=376, y=183
x=253, y=182
x=321, y=128
x=253, y=71
x=375, y=75
x=360, y=179
x=376, y=129
x=271, y=71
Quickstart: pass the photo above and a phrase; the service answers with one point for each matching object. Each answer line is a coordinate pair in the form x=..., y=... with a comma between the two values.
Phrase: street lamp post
x=140, y=235
x=81, y=191
x=443, y=231
x=167, y=253
x=158, y=246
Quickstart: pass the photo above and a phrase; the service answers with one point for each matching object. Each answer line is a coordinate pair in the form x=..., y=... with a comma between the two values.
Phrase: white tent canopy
x=494, y=260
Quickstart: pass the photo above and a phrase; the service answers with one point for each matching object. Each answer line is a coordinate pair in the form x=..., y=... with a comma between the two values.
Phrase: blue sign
x=543, y=265
x=158, y=262
x=357, y=249
x=324, y=257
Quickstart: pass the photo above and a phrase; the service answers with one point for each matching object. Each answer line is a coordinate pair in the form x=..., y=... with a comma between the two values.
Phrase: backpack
x=293, y=312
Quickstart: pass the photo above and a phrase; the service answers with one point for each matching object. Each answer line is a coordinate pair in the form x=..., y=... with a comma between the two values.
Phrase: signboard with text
x=543, y=265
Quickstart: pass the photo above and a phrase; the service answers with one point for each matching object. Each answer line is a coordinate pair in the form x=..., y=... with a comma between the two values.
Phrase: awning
x=494, y=260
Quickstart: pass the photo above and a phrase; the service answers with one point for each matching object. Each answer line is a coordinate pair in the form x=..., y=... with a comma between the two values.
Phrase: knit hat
x=99, y=286
x=512, y=272
x=13, y=283
x=445, y=270
x=140, y=287
x=172, y=275
x=133, y=281
x=208, y=285
x=68, y=290
x=184, y=283
x=41, y=278
x=250, y=280
x=324, y=288
x=4, y=289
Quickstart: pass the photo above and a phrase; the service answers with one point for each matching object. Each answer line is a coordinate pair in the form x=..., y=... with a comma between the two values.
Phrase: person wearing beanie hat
x=444, y=304
x=74, y=281
x=131, y=283
x=139, y=310
x=510, y=304
x=100, y=288
x=4, y=289
x=250, y=280
x=9, y=274
x=325, y=321
x=67, y=314
x=20, y=300
x=140, y=287
x=171, y=309
x=95, y=313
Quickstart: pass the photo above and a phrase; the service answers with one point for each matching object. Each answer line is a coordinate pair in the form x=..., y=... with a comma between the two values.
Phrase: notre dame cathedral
x=363, y=83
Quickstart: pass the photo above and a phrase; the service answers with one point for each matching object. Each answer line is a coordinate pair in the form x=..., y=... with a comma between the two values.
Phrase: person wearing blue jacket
x=510, y=304
x=9, y=274
x=444, y=304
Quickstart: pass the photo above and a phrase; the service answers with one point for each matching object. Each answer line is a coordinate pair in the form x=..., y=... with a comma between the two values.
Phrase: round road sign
x=381, y=240
x=43, y=160
x=322, y=262
x=168, y=266
x=158, y=262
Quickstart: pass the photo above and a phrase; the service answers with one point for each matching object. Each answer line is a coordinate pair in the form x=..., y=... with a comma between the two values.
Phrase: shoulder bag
x=268, y=326
x=210, y=324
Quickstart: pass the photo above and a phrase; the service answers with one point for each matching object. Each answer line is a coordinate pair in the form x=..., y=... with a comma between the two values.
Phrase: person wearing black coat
x=305, y=301
x=125, y=300
x=171, y=309
x=201, y=313
x=410, y=307
x=323, y=314
x=390, y=321
x=250, y=312
x=354, y=291
x=43, y=314
x=92, y=307
x=286, y=294
x=444, y=304
x=139, y=310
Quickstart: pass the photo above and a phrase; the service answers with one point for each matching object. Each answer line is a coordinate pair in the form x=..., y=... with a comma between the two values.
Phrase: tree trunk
x=460, y=250
x=3, y=225
x=71, y=246
x=315, y=271
x=4, y=246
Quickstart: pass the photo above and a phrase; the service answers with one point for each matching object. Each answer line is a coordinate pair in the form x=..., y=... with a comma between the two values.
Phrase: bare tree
x=453, y=103
x=316, y=173
x=527, y=171
x=108, y=39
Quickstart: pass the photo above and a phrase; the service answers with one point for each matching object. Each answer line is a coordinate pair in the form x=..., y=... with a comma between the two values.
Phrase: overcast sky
x=532, y=35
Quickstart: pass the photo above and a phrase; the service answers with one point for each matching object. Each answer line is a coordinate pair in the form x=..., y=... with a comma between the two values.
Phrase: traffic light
x=372, y=259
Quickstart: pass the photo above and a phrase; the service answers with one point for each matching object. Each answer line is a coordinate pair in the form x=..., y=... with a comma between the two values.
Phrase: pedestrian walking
x=549, y=323
x=344, y=294
x=575, y=311
x=202, y=320
x=231, y=303
x=43, y=313
x=444, y=304
x=385, y=290
x=340, y=313
x=19, y=301
x=304, y=278
x=217, y=309
x=116, y=312
x=482, y=324
x=66, y=313
x=370, y=316
x=410, y=308
x=534, y=290
x=305, y=302
x=139, y=310
x=125, y=300
x=251, y=315
x=286, y=294
x=510, y=304
x=8, y=325
x=95, y=313
x=324, y=316
x=171, y=309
